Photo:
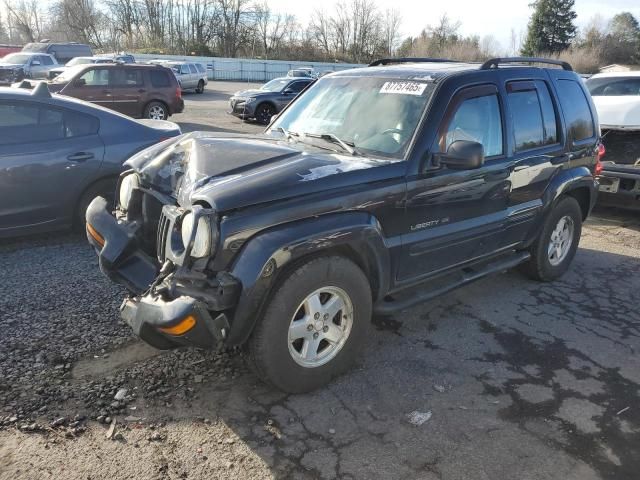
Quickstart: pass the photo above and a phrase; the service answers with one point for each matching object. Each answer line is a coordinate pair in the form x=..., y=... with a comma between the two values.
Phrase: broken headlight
x=203, y=237
x=127, y=185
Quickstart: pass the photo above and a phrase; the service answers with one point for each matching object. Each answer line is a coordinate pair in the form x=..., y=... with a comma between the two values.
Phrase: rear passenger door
x=538, y=149
x=46, y=156
x=455, y=216
x=127, y=87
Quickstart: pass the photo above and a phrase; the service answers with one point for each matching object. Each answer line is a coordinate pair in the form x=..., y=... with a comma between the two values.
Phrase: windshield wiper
x=333, y=138
x=288, y=135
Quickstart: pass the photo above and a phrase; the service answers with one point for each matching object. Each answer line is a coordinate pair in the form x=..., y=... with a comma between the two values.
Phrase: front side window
x=576, y=110
x=377, y=116
x=274, y=85
x=479, y=120
x=96, y=77
x=184, y=69
x=46, y=60
x=297, y=87
x=192, y=68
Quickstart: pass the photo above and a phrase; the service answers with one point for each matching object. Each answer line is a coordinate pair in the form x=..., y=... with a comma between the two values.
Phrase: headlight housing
x=203, y=237
x=127, y=185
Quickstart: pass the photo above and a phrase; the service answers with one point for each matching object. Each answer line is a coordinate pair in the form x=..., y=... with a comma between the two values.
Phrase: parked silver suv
x=20, y=65
x=191, y=76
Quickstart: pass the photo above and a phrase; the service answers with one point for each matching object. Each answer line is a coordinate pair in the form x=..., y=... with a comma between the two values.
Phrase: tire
x=279, y=359
x=200, y=87
x=156, y=111
x=102, y=188
x=264, y=112
x=544, y=265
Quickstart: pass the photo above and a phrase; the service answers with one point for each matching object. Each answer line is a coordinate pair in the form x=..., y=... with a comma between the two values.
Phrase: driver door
x=454, y=216
x=93, y=86
x=289, y=93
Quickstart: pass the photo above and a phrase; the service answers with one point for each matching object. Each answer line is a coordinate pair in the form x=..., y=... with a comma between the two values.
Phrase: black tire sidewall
x=200, y=87
x=268, y=345
x=566, y=206
x=259, y=113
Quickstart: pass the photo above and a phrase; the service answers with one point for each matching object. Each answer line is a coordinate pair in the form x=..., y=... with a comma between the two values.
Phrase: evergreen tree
x=551, y=27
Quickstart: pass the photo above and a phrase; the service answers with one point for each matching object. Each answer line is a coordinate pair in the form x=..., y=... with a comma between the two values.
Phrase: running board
x=465, y=277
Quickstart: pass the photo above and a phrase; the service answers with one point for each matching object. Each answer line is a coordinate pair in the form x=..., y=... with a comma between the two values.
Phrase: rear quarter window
x=576, y=110
x=159, y=78
x=200, y=68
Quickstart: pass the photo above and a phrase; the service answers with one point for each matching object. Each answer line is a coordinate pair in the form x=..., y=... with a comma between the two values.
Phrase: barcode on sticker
x=404, y=88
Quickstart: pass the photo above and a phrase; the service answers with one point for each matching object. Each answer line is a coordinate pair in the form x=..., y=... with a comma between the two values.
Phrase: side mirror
x=79, y=82
x=35, y=63
x=462, y=155
x=288, y=91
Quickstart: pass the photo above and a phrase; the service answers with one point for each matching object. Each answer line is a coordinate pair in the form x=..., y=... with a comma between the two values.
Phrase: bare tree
x=320, y=29
x=79, y=20
x=26, y=18
x=391, y=30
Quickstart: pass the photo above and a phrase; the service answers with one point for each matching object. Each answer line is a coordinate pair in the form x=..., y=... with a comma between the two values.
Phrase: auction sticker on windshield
x=404, y=88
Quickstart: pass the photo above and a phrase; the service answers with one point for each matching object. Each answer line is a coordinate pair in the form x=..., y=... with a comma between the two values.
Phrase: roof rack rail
x=495, y=62
x=390, y=61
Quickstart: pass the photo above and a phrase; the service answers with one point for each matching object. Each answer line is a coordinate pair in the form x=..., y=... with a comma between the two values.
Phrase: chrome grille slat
x=163, y=233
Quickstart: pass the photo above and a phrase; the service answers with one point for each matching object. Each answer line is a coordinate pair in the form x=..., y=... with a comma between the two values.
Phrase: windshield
x=614, y=86
x=68, y=74
x=274, y=85
x=79, y=61
x=374, y=115
x=17, y=58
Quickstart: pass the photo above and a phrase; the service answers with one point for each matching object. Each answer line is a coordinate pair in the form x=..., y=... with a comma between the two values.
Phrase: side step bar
x=467, y=276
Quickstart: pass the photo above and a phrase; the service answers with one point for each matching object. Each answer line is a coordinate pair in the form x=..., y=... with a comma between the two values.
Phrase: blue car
x=58, y=153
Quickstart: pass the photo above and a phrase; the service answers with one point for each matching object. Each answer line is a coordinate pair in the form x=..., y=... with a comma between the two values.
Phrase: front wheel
x=557, y=244
x=200, y=87
x=313, y=326
x=156, y=111
x=264, y=112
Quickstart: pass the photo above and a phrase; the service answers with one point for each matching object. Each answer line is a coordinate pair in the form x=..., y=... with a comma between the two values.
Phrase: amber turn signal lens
x=181, y=328
x=95, y=235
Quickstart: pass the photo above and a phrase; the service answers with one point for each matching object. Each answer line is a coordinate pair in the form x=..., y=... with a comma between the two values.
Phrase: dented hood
x=234, y=171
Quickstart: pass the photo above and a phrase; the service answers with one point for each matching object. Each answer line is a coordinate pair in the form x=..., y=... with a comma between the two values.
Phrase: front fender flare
x=265, y=257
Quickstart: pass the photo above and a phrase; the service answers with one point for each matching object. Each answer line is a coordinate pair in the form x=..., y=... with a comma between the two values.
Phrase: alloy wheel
x=560, y=241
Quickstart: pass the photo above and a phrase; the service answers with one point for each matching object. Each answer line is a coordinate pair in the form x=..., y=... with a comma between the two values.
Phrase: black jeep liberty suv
x=376, y=189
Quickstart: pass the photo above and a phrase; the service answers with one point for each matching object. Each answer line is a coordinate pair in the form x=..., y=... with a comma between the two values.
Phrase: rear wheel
x=264, y=112
x=313, y=326
x=156, y=111
x=200, y=87
x=557, y=244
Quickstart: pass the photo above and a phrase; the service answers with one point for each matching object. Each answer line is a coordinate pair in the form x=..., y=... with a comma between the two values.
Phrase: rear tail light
x=599, y=154
x=178, y=92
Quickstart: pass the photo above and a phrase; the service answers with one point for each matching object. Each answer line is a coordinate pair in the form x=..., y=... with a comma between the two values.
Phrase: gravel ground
x=507, y=378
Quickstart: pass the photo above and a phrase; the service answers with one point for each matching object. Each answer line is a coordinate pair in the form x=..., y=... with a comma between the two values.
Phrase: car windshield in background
x=79, y=61
x=373, y=115
x=17, y=58
x=614, y=86
x=68, y=74
x=274, y=85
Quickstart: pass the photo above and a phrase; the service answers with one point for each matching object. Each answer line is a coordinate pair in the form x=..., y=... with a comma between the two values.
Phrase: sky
x=488, y=17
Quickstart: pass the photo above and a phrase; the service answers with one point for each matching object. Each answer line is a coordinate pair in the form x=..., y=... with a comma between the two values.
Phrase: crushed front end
x=159, y=251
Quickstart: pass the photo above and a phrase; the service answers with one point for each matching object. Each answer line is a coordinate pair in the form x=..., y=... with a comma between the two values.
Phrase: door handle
x=107, y=92
x=142, y=90
x=80, y=157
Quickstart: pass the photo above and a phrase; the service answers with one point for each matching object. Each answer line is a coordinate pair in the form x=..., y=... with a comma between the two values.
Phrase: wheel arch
x=267, y=259
x=78, y=200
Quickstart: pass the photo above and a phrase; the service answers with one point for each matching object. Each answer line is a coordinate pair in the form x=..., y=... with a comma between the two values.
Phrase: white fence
x=251, y=70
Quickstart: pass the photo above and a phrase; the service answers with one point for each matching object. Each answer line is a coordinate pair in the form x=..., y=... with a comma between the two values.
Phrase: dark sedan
x=263, y=103
x=58, y=153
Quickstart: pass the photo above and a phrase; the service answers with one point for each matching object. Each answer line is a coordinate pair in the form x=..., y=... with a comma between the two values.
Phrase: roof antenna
x=41, y=90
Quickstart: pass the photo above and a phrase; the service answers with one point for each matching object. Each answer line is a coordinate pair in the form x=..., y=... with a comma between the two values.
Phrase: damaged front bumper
x=169, y=306
x=620, y=186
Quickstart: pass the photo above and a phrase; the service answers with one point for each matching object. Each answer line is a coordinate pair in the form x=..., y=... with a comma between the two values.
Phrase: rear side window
x=534, y=119
x=200, y=68
x=24, y=122
x=478, y=120
x=125, y=77
x=159, y=79
x=193, y=68
x=576, y=110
